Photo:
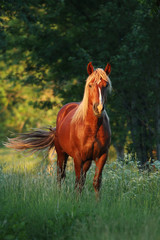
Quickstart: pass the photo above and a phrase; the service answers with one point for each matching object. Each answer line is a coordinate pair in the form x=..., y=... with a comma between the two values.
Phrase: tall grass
x=33, y=207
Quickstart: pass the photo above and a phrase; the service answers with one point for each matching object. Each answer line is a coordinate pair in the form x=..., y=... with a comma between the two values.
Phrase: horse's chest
x=94, y=144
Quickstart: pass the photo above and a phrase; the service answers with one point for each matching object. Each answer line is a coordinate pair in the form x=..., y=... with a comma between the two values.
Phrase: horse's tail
x=33, y=141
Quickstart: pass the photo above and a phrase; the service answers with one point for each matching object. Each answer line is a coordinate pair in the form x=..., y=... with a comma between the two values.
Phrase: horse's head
x=97, y=84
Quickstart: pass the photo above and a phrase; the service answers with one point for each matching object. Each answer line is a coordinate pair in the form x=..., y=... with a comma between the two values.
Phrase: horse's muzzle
x=98, y=109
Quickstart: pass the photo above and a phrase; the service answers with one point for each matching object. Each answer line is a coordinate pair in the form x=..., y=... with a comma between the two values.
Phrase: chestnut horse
x=82, y=131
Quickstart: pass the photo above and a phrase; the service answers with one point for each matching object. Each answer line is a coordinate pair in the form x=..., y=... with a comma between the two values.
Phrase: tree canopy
x=45, y=47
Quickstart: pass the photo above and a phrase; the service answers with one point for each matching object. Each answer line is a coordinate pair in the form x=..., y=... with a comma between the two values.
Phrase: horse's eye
x=107, y=84
x=90, y=85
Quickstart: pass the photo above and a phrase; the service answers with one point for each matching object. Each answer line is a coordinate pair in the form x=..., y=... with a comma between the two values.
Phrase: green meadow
x=32, y=206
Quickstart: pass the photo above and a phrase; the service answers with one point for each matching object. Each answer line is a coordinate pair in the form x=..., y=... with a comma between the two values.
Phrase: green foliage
x=47, y=45
x=138, y=55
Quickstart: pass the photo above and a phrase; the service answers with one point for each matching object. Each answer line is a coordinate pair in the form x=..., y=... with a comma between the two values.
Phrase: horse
x=82, y=131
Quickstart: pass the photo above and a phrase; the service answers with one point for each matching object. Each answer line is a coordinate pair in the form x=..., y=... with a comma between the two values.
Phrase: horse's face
x=97, y=93
x=97, y=88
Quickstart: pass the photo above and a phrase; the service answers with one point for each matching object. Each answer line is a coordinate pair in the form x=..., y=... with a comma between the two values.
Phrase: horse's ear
x=108, y=69
x=90, y=68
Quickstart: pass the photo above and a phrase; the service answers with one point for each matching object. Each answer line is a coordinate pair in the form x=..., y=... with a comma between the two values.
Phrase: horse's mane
x=81, y=111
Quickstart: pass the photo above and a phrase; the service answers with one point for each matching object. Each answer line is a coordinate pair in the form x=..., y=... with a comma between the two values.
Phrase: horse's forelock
x=99, y=72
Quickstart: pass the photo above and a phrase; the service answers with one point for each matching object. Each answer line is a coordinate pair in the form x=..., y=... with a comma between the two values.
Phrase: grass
x=17, y=162
x=33, y=207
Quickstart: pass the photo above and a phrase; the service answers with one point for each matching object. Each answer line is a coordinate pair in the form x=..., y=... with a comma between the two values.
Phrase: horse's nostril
x=95, y=107
x=100, y=108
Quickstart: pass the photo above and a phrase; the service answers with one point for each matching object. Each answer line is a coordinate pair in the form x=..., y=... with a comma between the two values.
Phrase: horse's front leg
x=81, y=169
x=98, y=173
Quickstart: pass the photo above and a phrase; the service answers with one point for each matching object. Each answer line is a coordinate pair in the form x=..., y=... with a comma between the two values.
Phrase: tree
x=139, y=56
x=52, y=43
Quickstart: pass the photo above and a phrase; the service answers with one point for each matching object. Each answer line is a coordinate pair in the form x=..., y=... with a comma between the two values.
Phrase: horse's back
x=63, y=126
x=65, y=110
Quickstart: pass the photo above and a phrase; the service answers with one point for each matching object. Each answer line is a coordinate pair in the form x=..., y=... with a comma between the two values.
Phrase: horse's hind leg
x=61, y=166
x=61, y=163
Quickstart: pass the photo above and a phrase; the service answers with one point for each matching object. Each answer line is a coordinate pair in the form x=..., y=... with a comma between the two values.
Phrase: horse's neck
x=91, y=119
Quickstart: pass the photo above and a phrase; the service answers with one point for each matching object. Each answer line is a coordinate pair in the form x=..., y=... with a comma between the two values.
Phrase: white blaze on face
x=100, y=106
x=100, y=97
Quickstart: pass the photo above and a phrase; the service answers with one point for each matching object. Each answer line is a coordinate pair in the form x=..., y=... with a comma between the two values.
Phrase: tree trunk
x=158, y=113
x=119, y=151
x=158, y=131
x=139, y=136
